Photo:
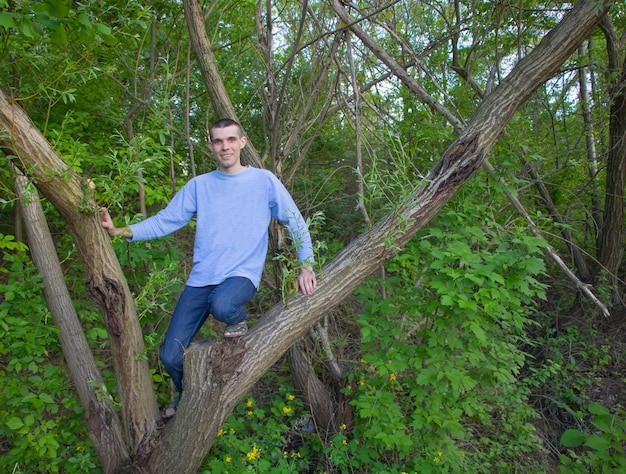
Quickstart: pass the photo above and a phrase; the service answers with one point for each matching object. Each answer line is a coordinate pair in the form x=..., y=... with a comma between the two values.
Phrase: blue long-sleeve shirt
x=233, y=213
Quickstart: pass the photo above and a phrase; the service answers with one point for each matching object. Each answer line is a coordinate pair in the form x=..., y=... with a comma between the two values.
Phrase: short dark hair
x=226, y=122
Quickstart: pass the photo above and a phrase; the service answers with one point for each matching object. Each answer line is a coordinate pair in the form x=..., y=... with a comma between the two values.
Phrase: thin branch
x=585, y=288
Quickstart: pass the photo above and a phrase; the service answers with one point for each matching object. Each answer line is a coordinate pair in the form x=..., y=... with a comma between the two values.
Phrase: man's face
x=227, y=143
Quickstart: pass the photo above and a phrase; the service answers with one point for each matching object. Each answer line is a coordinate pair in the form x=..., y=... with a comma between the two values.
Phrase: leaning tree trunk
x=212, y=79
x=72, y=196
x=327, y=405
x=219, y=373
x=102, y=421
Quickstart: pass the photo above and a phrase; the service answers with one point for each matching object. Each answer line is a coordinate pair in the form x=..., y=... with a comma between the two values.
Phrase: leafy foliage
x=240, y=447
x=604, y=451
x=42, y=428
x=442, y=352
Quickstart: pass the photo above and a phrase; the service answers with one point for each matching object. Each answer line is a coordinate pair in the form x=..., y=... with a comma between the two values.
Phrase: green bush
x=42, y=427
x=437, y=389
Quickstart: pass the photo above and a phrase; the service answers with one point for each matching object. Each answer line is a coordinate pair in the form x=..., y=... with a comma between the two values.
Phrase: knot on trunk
x=109, y=294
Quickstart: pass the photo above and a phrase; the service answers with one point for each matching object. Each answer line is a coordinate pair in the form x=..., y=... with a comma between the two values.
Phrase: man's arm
x=113, y=231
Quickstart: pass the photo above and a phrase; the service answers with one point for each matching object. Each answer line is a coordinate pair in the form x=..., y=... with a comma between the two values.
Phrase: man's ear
x=244, y=140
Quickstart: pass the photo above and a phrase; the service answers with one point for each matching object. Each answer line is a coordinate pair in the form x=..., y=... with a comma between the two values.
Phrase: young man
x=233, y=206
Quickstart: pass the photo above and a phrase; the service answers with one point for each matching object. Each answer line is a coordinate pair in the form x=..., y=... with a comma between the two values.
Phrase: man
x=233, y=206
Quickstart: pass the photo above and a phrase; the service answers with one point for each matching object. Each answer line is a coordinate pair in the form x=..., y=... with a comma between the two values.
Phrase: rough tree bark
x=71, y=195
x=100, y=417
x=611, y=238
x=219, y=373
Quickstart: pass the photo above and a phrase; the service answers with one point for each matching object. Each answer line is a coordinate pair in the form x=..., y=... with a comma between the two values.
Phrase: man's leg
x=228, y=301
x=189, y=315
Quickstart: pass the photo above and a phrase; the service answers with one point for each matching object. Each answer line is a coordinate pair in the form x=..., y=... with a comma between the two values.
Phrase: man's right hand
x=113, y=231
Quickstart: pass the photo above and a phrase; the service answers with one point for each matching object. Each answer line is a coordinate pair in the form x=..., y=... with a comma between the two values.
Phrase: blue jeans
x=226, y=302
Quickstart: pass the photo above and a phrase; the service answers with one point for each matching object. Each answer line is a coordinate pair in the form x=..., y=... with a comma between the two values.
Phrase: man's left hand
x=307, y=282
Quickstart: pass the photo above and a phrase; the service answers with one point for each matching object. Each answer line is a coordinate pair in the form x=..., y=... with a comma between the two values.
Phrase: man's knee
x=225, y=311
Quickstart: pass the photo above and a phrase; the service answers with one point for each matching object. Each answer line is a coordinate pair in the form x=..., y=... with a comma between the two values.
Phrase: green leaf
x=572, y=438
x=478, y=331
x=84, y=20
x=27, y=29
x=597, y=409
x=59, y=36
x=103, y=29
x=57, y=8
x=15, y=423
x=446, y=300
x=604, y=423
x=599, y=443
x=7, y=20
x=44, y=397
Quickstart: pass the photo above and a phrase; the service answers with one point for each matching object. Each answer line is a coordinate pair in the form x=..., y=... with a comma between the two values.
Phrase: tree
x=104, y=424
x=219, y=373
x=611, y=234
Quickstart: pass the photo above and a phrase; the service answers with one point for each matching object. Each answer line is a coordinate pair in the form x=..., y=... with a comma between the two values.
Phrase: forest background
x=464, y=186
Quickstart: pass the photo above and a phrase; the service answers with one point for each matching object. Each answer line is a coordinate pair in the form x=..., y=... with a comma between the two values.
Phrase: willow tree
x=219, y=373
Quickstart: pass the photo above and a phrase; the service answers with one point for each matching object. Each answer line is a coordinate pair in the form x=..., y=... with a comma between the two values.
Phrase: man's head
x=227, y=140
x=223, y=123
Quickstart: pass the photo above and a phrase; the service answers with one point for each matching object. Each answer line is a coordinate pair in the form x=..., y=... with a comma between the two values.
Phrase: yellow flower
x=286, y=410
x=462, y=453
x=343, y=426
x=250, y=413
x=255, y=453
x=344, y=441
x=291, y=397
x=227, y=459
x=220, y=432
x=249, y=403
x=361, y=383
x=349, y=387
x=363, y=361
x=392, y=377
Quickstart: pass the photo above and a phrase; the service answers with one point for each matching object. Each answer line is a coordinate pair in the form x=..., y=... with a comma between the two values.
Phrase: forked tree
x=219, y=373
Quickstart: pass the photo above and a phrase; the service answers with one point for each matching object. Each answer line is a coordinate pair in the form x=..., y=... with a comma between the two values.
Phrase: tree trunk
x=219, y=373
x=611, y=241
x=72, y=196
x=211, y=75
x=590, y=138
x=100, y=417
x=325, y=402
